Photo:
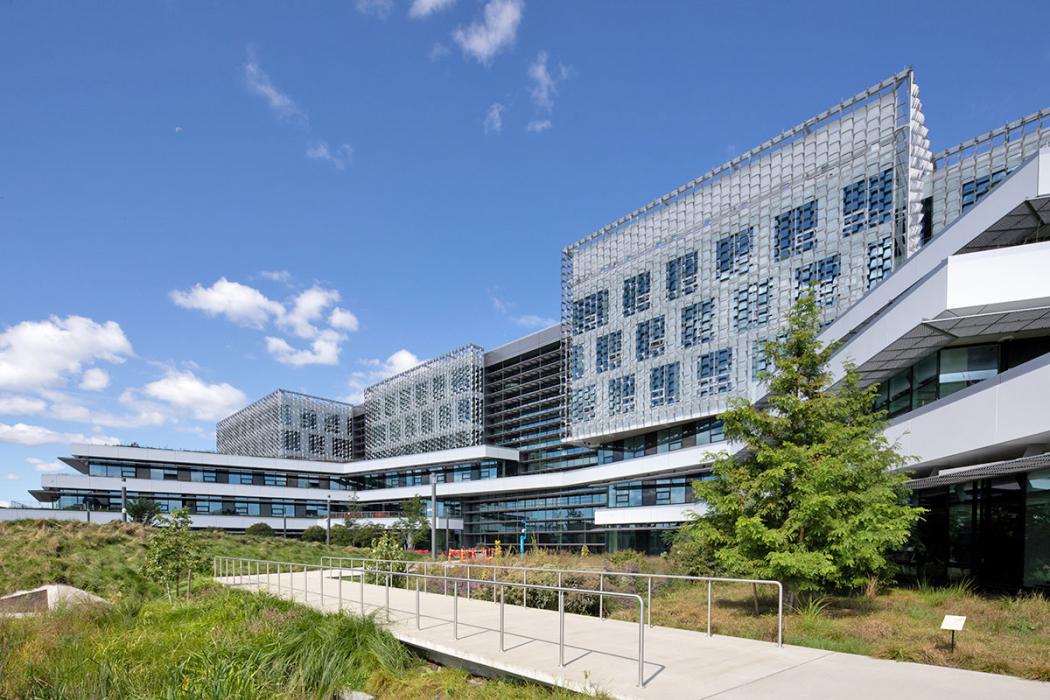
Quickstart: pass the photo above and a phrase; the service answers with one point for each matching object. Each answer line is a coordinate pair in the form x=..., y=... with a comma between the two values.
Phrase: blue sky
x=200, y=202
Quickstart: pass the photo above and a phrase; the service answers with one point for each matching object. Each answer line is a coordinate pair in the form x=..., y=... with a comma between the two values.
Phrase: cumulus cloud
x=13, y=405
x=239, y=303
x=338, y=156
x=94, y=379
x=259, y=83
x=425, y=8
x=495, y=31
x=506, y=309
x=42, y=466
x=378, y=370
x=185, y=391
x=494, y=118
x=38, y=354
x=23, y=434
x=307, y=307
x=324, y=350
x=374, y=8
x=343, y=320
x=538, y=125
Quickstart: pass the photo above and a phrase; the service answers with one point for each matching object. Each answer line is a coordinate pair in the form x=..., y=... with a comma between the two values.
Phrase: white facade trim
x=678, y=513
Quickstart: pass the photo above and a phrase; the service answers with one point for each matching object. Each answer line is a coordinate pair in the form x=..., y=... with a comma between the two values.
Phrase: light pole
x=433, y=516
x=328, y=532
x=124, y=499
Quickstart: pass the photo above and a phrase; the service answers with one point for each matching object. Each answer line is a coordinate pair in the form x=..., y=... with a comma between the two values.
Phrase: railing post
x=455, y=609
x=780, y=615
x=322, y=589
x=361, y=578
x=709, y=608
x=601, y=596
x=417, y=604
x=444, y=567
x=649, y=602
x=501, y=600
x=468, y=584
x=641, y=644
x=388, y=596
x=525, y=590
x=340, y=590
x=493, y=584
x=561, y=627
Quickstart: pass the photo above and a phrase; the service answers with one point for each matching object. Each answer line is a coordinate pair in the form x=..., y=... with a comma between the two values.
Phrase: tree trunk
x=189, y=582
x=754, y=594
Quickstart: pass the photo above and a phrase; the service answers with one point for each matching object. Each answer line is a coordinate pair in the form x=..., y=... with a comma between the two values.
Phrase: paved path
x=603, y=654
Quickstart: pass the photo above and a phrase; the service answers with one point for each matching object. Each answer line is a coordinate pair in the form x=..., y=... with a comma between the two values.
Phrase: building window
x=460, y=380
x=341, y=448
x=867, y=203
x=292, y=441
x=164, y=474
x=733, y=253
x=682, y=274
x=438, y=388
x=584, y=402
x=975, y=190
x=761, y=363
x=590, y=312
x=331, y=423
x=621, y=395
x=714, y=373
x=308, y=419
x=880, y=261
x=698, y=322
x=207, y=476
x=649, y=338
x=577, y=362
x=444, y=417
x=240, y=478
x=636, y=293
x=824, y=275
x=404, y=399
x=282, y=510
x=389, y=405
x=665, y=385
x=271, y=479
x=795, y=231
x=608, y=352
x=317, y=444
x=751, y=305
x=961, y=367
x=246, y=507
x=462, y=411
x=426, y=422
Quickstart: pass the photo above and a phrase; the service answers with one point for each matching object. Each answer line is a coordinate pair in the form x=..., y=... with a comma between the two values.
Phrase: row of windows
x=692, y=434
x=426, y=392
x=334, y=424
x=293, y=442
x=425, y=422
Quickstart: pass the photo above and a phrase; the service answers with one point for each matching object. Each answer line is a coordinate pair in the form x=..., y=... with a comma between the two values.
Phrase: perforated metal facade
x=661, y=311
x=438, y=405
x=289, y=425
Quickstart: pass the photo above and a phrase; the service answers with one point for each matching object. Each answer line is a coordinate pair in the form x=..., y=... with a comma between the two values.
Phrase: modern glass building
x=931, y=272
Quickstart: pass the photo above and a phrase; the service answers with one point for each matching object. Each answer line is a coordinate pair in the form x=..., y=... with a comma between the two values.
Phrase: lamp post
x=328, y=531
x=124, y=499
x=433, y=516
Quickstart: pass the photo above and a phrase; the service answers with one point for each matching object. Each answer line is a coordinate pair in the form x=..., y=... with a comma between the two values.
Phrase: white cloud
x=178, y=130
x=538, y=125
x=42, y=466
x=11, y=477
x=338, y=157
x=497, y=30
x=184, y=390
x=425, y=8
x=543, y=87
x=343, y=320
x=494, y=118
x=400, y=361
x=282, y=276
x=22, y=434
x=37, y=354
x=259, y=82
x=324, y=350
x=12, y=405
x=94, y=379
x=505, y=308
x=244, y=305
x=374, y=8
x=307, y=307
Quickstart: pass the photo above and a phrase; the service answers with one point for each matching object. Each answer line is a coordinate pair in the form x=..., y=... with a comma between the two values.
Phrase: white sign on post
x=953, y=622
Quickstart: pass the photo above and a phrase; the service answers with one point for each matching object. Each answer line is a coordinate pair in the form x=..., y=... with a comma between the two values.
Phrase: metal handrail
x=230, y=567
x=710, y=580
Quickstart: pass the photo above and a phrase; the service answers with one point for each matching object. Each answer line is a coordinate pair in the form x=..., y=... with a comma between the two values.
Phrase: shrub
x=314, y=533
x=342, y=536
x=143, y=510
x=260, y=529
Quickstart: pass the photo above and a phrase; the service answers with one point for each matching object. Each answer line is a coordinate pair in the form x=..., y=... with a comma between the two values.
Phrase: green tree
x=413, y=523
x=814, y=498
x=260, y=530
x=173, y=551
x=143, y=510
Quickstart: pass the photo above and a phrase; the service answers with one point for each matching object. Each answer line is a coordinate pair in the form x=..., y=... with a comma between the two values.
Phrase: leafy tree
x=314, y=533
x=812, y=499
x=173, y=551
x=413, y=523
x=387, y=549
x=143, y=510
x=260, y=530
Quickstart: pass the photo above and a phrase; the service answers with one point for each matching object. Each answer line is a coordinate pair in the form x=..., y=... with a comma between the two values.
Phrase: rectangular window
x=751, y=305
x=410, y=426
x=698, y=322
x=272, y=479
x=438, y=388
x=636, y=292
x=714, y=373
x=282, y=510
x=682, y=274
x=880, y=261
x=240, y=478
x=201, y=506
x=246, y=507
x=444, y=417
x=621, y=395
x=576, y=361
x=308, y=419
x=462, y=410
x=649, y=338
x=317, y=444
x=976, y=190
x=341, y=448
x=961, y=367
x=608, y=351
x=584, y=402
x=665, y=385
x=389, y=405
x=823, y=275
x=206, y=476
x=426, y=422
x=164, y=474
x=590, y=312
x=404, y=399
x=331, y=423
x=795, y=231
x=292, y=441
x=733, y=253
x=867, y=203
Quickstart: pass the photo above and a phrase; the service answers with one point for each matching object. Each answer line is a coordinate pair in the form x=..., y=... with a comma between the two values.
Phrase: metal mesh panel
x=289, y=425
x=438, y=405
x=805, y=207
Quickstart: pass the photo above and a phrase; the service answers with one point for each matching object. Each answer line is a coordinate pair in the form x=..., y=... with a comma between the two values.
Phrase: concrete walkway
x=603, y=654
